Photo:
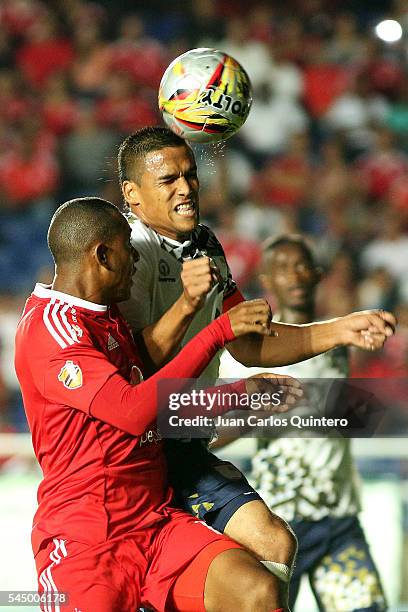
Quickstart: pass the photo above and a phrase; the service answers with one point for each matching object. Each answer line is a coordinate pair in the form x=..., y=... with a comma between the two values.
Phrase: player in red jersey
x=105, y=532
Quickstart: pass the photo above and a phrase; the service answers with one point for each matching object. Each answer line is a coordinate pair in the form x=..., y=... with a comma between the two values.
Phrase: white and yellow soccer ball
x=205, y=95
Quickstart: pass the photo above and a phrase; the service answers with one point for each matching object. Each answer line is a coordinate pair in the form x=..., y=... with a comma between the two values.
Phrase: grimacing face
x=291, y=276
x=167, y=198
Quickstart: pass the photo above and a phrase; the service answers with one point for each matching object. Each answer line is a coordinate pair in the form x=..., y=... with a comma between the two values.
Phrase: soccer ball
x=205, y=95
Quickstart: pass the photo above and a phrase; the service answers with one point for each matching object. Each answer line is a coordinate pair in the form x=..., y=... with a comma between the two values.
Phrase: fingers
x=379, y=321
x=370, y=329
x=389, y=318
x=253, y=316
x=201, y=265
x=289, y=389
x=198, y=277
x=368, y=341
x=378, y=324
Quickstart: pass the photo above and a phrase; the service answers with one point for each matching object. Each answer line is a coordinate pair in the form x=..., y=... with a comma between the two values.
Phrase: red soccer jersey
x=99, y=481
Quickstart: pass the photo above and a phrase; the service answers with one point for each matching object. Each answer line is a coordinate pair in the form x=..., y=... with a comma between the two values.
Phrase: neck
x=177, y=238
x=78, y=286
x=294, y=316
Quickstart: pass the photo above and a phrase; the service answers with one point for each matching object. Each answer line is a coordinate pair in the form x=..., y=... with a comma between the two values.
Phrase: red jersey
x=94, y=434
x=98, y=480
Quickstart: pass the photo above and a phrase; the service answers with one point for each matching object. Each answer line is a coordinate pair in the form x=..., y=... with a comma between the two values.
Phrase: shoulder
x=51, y=326
x=142, y=234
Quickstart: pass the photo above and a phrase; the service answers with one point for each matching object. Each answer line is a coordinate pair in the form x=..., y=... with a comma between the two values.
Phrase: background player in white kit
x=311, y=481
x=173, y=298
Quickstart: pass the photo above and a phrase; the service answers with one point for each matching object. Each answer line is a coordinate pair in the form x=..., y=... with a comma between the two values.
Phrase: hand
x=198, y=277
x=289, y=389
x=254, y=316
x=368, y=329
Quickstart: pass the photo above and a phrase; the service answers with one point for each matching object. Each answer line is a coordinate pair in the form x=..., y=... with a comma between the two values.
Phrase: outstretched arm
x=139, y=404
x=366, y=330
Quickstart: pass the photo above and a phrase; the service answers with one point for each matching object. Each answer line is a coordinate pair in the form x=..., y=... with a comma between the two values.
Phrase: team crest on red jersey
x=71, y=375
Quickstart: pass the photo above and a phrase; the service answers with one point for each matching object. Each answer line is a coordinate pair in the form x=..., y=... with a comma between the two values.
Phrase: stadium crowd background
x=324, y=151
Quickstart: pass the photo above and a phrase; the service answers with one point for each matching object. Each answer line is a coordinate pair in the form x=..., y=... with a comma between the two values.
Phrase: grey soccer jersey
x=304, y=478
x=157, y=283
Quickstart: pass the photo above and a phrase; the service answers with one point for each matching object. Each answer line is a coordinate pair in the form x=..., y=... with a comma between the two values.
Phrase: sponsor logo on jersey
x=77, y=330
x=164, y=272
x=149, y=437
x=70, y=375
x=112, y=343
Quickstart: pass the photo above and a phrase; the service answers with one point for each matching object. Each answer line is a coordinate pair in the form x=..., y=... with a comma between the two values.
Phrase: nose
x=183, y=186
x=293, y=273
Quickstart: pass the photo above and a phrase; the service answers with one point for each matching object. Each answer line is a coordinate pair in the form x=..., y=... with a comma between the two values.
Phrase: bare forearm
x=163, y=338
x=293, y=343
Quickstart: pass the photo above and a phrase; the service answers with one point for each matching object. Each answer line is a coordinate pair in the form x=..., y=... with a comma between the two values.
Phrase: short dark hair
x=135, y=147
x=79, y=223
x=271, y=244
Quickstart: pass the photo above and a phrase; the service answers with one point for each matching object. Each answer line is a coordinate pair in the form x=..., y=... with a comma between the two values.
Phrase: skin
x=105, y=273
x=293, y=279
x=168, y=180
x=104, y=276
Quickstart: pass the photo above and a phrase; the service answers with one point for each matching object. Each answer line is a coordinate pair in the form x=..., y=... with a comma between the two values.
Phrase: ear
x=131, y=193
x=101, y=255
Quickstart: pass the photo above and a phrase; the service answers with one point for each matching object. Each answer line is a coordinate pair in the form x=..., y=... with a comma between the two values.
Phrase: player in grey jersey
x=183, y=281
x=311, y=481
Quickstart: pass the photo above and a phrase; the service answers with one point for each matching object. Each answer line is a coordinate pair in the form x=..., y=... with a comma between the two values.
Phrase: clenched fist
x=198, y=277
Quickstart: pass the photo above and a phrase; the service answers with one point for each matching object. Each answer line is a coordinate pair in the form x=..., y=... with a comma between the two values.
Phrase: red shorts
x=124, y=572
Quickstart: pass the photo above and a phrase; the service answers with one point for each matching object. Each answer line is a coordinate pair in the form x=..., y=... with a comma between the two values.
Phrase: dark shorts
x=335, y=555
x=205, y=486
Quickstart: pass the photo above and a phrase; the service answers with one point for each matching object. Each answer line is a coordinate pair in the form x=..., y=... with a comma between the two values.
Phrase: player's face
x=167, y=198
x=292, y=277
x=122, y=259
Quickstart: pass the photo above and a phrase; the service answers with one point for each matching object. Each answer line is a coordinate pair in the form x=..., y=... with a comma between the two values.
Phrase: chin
x=299, y=304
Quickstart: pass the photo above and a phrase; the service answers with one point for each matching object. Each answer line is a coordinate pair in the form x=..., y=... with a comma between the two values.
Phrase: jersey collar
x=180, y=250
x=45, y=291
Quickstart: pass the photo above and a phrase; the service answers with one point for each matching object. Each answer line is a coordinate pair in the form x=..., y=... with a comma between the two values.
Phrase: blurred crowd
x=324, y=151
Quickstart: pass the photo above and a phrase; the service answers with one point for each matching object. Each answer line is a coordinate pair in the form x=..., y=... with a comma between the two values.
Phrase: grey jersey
x=157, y=283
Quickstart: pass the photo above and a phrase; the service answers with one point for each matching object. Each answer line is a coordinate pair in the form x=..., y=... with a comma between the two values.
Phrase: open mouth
x=187, y=209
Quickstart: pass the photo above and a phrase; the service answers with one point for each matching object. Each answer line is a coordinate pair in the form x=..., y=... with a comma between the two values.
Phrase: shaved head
x=295, y=240
x=80, y=223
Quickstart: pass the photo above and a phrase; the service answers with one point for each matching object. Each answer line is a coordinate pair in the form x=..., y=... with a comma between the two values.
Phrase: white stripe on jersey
x=46, y=579
x=56, y=317
x=70, y=329
x=58, y=325
x=48, y=325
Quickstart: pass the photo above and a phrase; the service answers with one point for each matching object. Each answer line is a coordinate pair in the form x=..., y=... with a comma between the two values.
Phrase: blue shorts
x=205, y=486
x=335, y=555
